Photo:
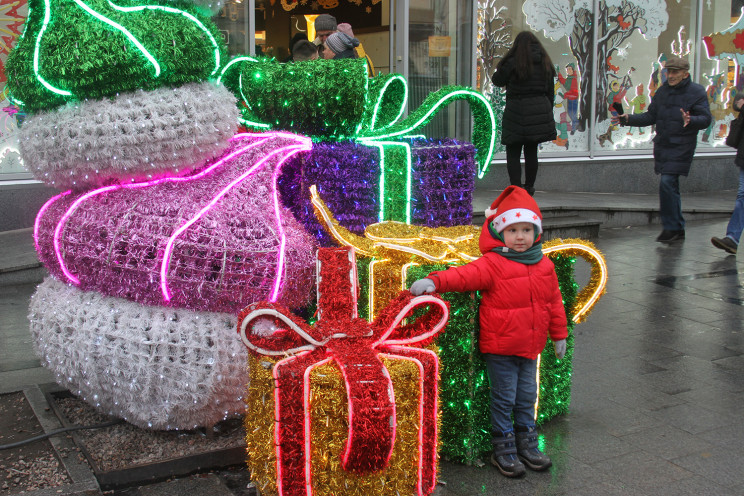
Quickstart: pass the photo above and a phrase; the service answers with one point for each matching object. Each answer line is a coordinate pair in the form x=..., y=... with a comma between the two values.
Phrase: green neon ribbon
x=73, y=50
x=395, y=163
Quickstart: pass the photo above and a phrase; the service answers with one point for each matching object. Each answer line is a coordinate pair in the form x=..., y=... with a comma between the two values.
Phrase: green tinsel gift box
x=465, y=431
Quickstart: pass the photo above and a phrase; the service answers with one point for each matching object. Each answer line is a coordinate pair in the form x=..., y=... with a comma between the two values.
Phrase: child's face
x=519, y=237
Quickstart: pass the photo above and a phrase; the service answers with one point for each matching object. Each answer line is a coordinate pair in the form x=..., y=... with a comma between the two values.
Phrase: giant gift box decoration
x=347, y=406
x=352, y=178
x=398, y=254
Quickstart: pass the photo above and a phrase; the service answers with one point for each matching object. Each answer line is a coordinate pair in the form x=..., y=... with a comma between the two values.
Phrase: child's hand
x=422, y=286
x=560, y=347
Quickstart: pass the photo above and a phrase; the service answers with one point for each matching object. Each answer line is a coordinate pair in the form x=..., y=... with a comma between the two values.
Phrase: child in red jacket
x=521, y=304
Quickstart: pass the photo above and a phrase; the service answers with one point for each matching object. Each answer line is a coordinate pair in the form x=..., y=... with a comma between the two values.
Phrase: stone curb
x=84, y=482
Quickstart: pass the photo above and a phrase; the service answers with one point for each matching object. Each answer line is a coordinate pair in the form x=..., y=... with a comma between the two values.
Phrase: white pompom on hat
x=514, y=205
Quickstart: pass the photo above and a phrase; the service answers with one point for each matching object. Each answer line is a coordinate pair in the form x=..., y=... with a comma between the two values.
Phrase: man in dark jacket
x=679, y=109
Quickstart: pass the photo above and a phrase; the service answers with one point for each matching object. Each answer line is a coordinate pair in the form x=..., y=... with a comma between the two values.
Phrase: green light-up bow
x=334, y=100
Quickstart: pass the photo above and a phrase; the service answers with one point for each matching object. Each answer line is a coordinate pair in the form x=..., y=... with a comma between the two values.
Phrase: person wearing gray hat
x=679, y=109
x=677, y=63
x=325, y=25
x=340, y=46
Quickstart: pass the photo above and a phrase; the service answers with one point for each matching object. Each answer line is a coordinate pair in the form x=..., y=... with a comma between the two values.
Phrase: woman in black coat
x=529, y=77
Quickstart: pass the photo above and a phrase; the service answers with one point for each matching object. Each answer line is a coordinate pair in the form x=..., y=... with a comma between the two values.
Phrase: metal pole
x=593, y=84
x=250, y=27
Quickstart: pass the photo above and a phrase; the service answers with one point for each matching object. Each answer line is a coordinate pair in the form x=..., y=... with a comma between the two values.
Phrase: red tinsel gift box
x=343, y=406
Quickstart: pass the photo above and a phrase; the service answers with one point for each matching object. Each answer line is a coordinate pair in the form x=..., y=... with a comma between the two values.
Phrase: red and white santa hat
x=514, y=205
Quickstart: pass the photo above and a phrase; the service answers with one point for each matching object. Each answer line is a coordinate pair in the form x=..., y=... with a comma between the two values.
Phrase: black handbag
x=734, y=136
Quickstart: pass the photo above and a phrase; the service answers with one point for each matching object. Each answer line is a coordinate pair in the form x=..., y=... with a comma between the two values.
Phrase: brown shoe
x=725, y=244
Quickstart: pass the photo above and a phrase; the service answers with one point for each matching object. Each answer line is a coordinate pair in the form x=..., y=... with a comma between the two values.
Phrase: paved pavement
x=658, y=381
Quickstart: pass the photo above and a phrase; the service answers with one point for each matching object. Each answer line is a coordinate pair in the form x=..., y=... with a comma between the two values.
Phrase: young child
x=520, y=305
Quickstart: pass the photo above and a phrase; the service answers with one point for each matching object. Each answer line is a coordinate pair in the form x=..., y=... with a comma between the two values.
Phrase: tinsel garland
x=388, y=93
x=155, y=367
x=484, y=129
x=328, y=414
x=135, y=136
x=212, y=241
x=360, y=350
x=324, y=99
x=443, y=175
x=95, y=49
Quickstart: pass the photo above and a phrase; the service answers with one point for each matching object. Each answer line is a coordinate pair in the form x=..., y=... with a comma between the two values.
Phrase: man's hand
x=620, y=119
x=685, y=117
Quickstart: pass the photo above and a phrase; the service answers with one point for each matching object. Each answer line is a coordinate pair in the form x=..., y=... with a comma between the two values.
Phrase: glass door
x=433, y=46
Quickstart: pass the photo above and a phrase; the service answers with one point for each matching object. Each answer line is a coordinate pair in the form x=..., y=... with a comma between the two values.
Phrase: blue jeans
x=670, y=203
x=513, y=389
x=736, y=222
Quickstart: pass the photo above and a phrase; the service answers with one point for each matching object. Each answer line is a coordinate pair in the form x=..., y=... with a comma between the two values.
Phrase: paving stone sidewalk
x=658, y=382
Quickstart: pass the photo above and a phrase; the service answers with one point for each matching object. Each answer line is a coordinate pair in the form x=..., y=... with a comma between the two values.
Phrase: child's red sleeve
x=473, y=276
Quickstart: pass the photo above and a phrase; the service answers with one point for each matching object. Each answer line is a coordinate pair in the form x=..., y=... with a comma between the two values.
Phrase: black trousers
x=514, y=168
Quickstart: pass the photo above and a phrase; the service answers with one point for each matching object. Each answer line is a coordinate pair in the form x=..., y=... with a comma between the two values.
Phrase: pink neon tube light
x=291, y=150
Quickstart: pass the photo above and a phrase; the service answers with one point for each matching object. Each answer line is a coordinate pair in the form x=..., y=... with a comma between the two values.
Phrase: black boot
x=504, y=456
x=528, y=451
x=530, y=189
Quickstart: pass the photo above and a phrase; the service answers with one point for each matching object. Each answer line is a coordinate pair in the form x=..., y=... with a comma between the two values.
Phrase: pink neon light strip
x=60, y=225
x=308, y=444
x=43, y=209
x=419, y=461
x=435, y=444
x=291, y=150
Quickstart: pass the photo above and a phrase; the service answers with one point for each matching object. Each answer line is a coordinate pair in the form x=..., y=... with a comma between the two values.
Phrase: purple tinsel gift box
x=347, y=175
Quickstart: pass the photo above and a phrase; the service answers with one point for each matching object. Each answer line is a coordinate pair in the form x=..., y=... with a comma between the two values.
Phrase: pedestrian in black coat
x=529, y=77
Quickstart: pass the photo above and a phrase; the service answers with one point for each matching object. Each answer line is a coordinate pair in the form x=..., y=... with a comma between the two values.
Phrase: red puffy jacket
x=520, y=303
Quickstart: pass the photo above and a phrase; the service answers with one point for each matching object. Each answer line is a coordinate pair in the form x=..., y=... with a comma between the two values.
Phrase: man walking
x=679, y=109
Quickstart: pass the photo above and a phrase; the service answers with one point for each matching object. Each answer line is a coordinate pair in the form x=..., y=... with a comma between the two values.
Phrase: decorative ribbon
x=354, y=345
x=395, y=246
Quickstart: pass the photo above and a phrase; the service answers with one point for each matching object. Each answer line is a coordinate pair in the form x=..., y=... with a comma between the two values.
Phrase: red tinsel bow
x=354, y=344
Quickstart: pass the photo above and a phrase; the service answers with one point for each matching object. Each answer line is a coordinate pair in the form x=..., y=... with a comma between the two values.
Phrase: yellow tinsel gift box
x=344, y=406
x=329, y=426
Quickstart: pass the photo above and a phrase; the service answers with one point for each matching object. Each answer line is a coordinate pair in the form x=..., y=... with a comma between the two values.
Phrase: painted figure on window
x=561, y=117
x=718, y=100
x=636, y=106
x=570, y=83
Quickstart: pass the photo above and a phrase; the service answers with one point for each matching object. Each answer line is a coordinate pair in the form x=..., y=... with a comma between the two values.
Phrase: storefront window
x=621, y=63
x=634, y=41
x=720, y=65
x=11, y=24
x=566, y=35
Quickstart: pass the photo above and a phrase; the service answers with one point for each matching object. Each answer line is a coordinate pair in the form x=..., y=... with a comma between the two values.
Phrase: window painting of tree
x=574, y=20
